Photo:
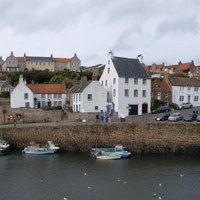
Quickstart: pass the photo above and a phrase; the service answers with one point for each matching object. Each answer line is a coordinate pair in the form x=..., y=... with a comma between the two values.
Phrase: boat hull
x=108, y=157
x=38, y=151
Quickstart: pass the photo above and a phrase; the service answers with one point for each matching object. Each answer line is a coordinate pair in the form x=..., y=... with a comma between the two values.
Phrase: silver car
x=175, y=117
x=185, y=105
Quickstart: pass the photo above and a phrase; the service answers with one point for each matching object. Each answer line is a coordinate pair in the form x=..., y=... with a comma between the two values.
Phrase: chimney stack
x=140, y=57
x=110, y=55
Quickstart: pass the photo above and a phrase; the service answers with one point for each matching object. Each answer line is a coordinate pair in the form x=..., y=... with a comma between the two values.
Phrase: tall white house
x=128, y=85
x=185, y=90
x=88, y=96
x=37, y=95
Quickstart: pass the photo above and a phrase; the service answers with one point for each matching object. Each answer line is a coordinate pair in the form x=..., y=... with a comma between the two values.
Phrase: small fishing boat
x=107, y=156
x=36, y=149
x=4, y=145
x=118, y=150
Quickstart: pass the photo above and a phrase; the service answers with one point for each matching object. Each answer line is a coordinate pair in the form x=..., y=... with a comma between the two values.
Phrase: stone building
x=15, y=64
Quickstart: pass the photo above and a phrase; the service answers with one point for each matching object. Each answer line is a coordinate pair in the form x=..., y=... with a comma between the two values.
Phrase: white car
x=185, y=105
x=175, y=117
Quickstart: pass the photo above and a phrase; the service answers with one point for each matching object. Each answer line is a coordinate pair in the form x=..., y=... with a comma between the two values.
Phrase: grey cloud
x=130, y=10
x=92, y=58
x=27, y=17
x=125, y=40
x=178, y=26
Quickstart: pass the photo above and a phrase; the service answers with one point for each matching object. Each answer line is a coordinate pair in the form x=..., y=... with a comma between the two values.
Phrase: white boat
x=107, y=156
x=37, y=150
x=118, y=150
x=52, y=146
x=4, y=145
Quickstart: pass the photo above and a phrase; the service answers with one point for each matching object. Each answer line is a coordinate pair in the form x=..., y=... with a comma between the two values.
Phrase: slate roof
x=129, y=68
x=39, y=59
x=184, y=81
x=47, y=88
x=80, y=87
x=2, y=82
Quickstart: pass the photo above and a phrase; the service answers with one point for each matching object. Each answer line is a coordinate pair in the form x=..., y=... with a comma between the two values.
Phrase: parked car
x=162, y=116
x=198, y=118
x=162, y=109
x=174, y=106
x=190, y=117
x=185, y=105
x=175, y=117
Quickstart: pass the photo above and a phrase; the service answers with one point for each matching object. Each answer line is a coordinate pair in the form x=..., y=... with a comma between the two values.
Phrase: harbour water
x=77, y=176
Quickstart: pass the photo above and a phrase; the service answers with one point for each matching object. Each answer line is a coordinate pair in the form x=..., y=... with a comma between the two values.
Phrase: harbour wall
x=139, y=138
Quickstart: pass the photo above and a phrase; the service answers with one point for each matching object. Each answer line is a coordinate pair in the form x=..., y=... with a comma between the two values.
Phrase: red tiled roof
x=154, y=66
x=184, y=66
x=161, y=86
x=171, y=66
x=62, y=60
x=159, y=67
x=20, y=59
x=148, y=67
x=47, y=88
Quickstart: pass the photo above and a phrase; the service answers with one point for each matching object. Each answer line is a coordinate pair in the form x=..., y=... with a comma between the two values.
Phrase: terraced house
x=15, y=64
x=38, y=95
x=185, y=90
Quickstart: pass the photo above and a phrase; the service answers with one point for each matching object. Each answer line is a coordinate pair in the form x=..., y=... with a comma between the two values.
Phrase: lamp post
x=4, y=114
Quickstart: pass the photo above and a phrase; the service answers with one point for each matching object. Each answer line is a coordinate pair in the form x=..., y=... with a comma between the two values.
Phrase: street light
x=4, y=114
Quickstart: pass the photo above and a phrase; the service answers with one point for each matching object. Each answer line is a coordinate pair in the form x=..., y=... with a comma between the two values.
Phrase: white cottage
x=88, y=96
x=185, y=90
x=128, y=85
x=37, y=95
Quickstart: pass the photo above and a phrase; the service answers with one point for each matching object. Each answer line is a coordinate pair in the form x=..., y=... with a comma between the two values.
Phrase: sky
x=162, y=31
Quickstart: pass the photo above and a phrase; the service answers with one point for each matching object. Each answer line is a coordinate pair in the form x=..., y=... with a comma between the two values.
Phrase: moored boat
x=4, y=145
x=107, y=156
x=118, y=150
x=38, y=150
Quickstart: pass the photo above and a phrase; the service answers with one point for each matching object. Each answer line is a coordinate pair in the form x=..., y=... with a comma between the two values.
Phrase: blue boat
x=118, y=150
x=35, y=149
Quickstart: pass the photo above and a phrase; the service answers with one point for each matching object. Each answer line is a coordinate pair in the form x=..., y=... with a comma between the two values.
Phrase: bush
x=5, y=94
x=52, y=108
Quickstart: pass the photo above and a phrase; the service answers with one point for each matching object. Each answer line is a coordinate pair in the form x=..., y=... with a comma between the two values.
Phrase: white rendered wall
x=110, y=85
x=99, y=98
x=17, y=96
x=131, y=100
x=177, y=92
x=120, y=101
